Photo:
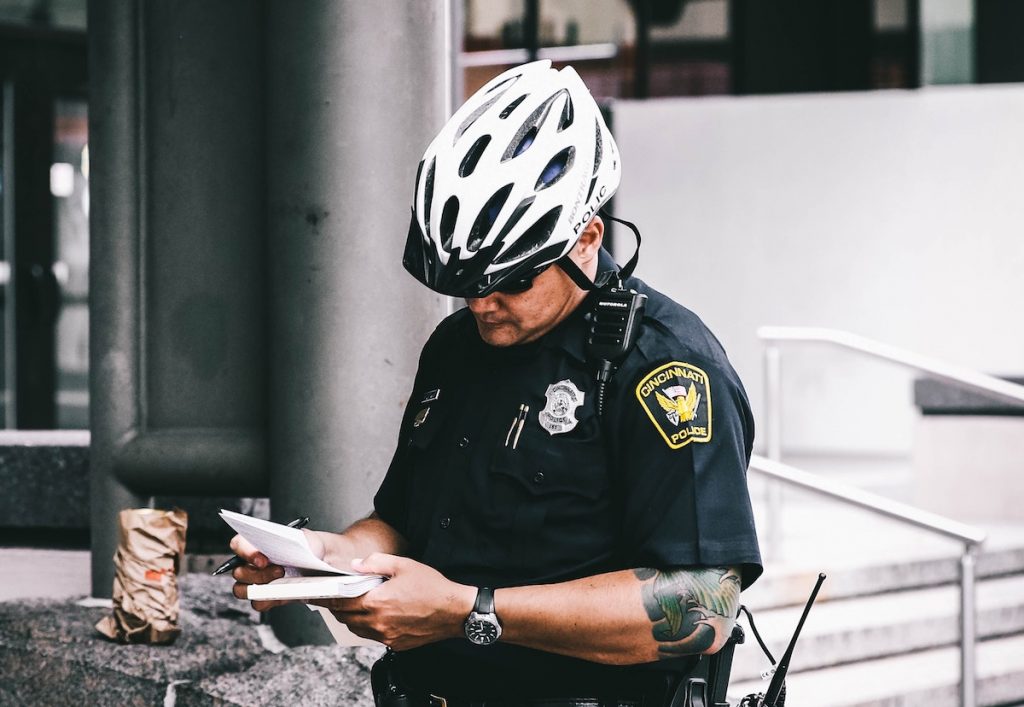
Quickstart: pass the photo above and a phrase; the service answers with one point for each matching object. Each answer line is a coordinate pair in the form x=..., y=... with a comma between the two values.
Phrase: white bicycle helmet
x=510, y=182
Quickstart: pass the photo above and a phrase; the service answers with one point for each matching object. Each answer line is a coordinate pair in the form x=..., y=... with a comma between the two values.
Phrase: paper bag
x=146, y=564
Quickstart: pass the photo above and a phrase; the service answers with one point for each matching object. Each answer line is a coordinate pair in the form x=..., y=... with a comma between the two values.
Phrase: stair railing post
x=968, y=627
x=773, y=423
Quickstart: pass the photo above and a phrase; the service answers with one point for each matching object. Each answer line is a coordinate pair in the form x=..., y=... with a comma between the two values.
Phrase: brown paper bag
x=146, y=566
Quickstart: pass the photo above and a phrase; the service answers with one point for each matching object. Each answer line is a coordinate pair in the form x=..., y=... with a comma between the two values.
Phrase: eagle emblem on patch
x=559, y=414
x=677, y=399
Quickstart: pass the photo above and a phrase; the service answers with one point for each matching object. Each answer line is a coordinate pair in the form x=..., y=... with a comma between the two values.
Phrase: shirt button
x=445, y=523
x=464, y=442
x=538, y=478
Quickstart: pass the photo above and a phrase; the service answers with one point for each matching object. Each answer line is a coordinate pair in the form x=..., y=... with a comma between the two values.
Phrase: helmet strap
x=570, y=268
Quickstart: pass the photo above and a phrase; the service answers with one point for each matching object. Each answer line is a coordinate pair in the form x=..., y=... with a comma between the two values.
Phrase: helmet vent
x=428, y=194
x=485, y=220
x=448, y=218
x=567, y=115
x=598, y=147
x=507, y=83
x=535, y=238
x=511, y=107
x=556, y=168
x=527, y=132
x=473, y=156
x=524, y=205
x=472, y=118
x=525, y=141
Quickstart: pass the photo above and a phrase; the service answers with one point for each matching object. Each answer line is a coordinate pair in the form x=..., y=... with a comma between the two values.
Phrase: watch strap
x=484, y=601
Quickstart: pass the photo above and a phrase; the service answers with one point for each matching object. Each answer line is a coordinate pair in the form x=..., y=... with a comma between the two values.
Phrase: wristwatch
x=482, y=627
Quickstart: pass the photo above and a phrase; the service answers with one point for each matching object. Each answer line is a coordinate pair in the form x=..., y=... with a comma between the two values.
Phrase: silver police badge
x=559, y=414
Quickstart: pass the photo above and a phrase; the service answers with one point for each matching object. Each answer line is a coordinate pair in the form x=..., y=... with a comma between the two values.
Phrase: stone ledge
x=44, y=487
x=51, y=654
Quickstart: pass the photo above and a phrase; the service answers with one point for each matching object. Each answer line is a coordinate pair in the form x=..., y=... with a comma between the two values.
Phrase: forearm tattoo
x=686, y=606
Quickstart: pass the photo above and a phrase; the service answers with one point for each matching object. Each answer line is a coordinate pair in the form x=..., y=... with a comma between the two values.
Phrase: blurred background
x=845, y=169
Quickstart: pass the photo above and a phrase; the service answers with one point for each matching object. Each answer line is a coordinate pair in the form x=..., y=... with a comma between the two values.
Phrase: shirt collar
x=571, y=333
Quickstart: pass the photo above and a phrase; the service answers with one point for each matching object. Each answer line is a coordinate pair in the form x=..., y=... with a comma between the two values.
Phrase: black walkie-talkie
x=615, y=317
x=614, y=325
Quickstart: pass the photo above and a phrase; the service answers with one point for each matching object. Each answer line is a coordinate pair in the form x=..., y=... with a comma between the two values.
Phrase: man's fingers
x=251, y=575
x=248, y=552
x=241, y=592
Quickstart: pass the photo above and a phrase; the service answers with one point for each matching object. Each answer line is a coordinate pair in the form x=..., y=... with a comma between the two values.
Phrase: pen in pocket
x=522, y=419
x=511, y=429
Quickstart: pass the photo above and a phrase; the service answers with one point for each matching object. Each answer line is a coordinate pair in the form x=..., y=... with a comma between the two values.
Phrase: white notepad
x=319, y=587
x=306, y=575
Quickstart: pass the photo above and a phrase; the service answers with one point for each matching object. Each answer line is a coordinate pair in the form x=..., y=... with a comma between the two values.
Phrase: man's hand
x=257, y=570
x=416, y=606
x=364, y=537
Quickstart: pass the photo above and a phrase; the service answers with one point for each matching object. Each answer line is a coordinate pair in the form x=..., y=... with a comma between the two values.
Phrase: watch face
x=482, y=631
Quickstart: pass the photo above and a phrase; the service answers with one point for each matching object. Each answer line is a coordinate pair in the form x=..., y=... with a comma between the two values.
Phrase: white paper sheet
x=282, y=545
x=341, y=633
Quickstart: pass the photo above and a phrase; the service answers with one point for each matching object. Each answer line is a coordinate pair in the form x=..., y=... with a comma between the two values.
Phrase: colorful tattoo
x=686, y=606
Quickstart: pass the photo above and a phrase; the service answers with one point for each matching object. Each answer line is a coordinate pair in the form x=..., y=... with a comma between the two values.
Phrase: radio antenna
x=771, y=695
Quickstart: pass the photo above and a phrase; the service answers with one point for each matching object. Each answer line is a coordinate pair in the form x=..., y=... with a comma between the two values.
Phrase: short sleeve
x=391, y=502
x=681, y=436
x=392, y=498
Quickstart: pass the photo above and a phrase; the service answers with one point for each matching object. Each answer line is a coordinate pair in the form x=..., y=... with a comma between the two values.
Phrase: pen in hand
x=237, y=561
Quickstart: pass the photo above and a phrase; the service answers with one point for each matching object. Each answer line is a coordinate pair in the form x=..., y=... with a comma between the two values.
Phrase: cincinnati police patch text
x=677, y=399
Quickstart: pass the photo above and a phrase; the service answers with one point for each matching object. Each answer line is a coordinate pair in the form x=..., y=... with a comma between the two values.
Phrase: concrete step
x=927, y=678
x=864, y=554
x=867, y=628
x=787, y=584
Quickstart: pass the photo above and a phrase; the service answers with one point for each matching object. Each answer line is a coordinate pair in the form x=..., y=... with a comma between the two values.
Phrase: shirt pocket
x=546, y=496
x=543, y=465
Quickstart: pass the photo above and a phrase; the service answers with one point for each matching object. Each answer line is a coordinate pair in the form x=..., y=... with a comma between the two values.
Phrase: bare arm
x=630, y=616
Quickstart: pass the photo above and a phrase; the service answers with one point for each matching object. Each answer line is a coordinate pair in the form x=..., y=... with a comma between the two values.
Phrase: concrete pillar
x=178, y=332
x=114, y=251
x=355, y=91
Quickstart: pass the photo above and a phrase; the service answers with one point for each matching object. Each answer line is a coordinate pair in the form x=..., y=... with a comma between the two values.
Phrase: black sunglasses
x=521, y=284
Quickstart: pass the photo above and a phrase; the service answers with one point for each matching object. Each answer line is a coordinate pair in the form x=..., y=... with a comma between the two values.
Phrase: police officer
x=539, y=549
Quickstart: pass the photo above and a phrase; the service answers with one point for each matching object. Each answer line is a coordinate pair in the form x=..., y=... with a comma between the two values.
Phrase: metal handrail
x=970, y=536
x=957, y=375
x=951, y=373
x=940, y=525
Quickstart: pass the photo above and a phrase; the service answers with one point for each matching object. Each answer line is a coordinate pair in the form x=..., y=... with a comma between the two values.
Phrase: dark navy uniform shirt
x=658, y=481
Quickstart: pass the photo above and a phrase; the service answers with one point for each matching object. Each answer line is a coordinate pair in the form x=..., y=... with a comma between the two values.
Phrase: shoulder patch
x=677, y=398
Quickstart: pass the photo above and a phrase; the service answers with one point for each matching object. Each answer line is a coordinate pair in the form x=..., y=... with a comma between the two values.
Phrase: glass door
x=44, y=229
